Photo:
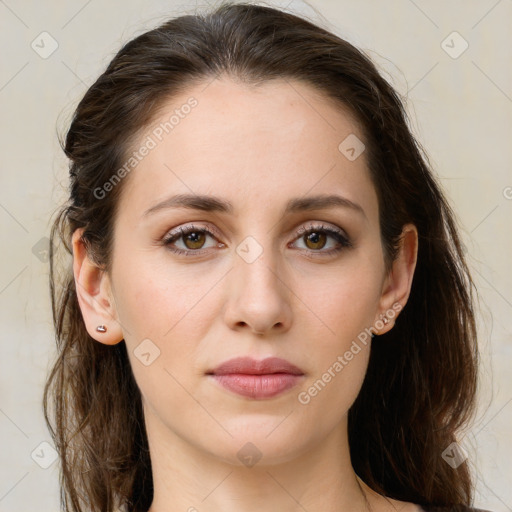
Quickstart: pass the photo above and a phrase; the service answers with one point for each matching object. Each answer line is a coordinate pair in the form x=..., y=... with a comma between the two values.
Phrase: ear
x=94, y=295
x=397, y=284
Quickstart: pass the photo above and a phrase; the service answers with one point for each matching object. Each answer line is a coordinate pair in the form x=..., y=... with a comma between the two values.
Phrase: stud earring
x=101, y=328
x=385, y=320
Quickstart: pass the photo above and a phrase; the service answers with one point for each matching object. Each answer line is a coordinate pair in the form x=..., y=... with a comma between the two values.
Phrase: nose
x=259, y=297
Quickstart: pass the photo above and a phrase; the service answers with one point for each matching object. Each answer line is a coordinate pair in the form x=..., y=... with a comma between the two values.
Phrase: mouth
x=255, y=379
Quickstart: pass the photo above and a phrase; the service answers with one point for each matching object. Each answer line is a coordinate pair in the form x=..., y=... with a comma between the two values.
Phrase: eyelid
x=320, y=225
x=184, y=229
x=296, y=231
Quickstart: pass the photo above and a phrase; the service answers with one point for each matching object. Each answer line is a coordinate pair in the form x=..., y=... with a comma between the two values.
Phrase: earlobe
x=398, y=283
x=94, y=295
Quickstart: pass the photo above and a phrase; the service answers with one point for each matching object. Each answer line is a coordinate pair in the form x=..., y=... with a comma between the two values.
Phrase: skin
x=256, y=147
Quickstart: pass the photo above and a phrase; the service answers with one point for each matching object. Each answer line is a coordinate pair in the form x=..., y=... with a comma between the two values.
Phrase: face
x=250, y=266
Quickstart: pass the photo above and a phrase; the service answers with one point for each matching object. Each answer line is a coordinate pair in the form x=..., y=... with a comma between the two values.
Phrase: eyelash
x=343, y=241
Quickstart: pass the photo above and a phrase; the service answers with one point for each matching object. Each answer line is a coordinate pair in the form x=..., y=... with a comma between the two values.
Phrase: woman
x=268, y=306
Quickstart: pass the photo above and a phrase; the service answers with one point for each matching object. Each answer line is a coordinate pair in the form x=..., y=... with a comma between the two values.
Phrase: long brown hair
x=422, y=376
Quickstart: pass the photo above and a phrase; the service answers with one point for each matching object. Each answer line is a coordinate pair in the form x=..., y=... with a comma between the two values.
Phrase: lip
x=261, y=379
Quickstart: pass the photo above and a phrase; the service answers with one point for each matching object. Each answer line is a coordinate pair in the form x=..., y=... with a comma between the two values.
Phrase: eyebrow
x=216, y=204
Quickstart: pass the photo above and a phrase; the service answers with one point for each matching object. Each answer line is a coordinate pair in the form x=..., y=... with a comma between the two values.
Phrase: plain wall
x=461, y=111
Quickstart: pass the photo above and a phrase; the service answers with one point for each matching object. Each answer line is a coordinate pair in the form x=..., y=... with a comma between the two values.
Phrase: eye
x=193, y=239
x=316, y=238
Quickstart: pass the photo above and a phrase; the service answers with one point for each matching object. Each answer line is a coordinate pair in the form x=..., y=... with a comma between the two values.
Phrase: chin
x=261, y=442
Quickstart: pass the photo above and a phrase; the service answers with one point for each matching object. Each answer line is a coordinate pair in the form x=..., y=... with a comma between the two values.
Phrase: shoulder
x=451, y=508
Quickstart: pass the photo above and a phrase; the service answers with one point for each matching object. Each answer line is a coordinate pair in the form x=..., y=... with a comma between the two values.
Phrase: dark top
x=454, y=508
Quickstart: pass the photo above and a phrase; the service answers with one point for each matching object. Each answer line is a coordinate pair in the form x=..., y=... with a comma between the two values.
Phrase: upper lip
x=250, y=366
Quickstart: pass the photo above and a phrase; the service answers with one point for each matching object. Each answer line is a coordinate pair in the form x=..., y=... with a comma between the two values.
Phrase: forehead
x=279, y=138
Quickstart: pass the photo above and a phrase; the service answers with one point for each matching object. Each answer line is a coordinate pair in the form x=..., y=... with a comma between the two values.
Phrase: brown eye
x=194, y=239
x=322, y=240
x=315, y=240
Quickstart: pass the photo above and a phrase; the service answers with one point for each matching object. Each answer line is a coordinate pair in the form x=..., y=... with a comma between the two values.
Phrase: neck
x=186, y=478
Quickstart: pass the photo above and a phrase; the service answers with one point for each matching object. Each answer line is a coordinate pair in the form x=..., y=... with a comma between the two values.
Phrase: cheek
x=165, y=323
x=330, y=392
x=343, y=302
x=344, y=308
x=154, y=299
x=165, y=314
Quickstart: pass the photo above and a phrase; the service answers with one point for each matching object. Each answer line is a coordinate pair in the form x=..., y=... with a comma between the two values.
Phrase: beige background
x=461, y=110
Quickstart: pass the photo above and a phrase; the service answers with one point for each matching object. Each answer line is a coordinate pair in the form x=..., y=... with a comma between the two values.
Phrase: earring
x=101, y=328
x=385, y=320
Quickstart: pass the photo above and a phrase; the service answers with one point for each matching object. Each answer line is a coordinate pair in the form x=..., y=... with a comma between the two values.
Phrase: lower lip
x=258, y=386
